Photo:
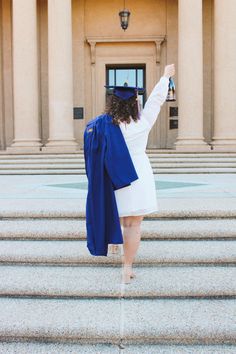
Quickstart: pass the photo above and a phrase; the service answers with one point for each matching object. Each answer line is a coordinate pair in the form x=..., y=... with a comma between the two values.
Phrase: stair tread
x=87, y=281
x=150, y=252
x=80, y=163
x=73, y=206
x=72, y=348
x=159, y=320
x=75, y=171
x=76, y=228
x=157, y=157
x=150, y=152
x=64, y=348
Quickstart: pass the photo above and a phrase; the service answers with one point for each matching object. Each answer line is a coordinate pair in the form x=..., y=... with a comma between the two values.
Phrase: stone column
x=190, y=79
x=25, y=77
x=224, y=138
x=60, y=77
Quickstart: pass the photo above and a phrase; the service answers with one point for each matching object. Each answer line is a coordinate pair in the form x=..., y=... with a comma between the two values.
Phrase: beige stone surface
x=224, y=138
x=25, y=78
x=60, y=73
x=190, y=61
x=66, y=71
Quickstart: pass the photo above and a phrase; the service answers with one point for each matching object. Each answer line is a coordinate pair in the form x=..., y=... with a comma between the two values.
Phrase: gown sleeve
x=155, y=100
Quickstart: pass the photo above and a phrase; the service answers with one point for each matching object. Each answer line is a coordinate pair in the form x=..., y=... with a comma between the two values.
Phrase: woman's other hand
x=169, y=70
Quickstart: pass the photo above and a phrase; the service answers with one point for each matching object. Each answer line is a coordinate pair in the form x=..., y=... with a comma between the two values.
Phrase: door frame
x=116, y=52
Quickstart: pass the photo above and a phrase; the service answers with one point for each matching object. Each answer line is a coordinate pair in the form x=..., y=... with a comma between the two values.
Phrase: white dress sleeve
x=155, y=100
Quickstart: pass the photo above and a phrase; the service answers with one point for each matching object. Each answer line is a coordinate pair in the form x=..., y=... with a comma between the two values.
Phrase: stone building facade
x=57, y=55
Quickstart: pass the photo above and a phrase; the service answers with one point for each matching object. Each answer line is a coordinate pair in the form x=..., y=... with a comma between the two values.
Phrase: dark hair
x=122, y=110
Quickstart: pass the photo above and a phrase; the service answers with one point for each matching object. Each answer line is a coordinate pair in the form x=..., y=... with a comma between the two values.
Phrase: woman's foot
x=132, y=275
x=127, y=273
x=114, y=249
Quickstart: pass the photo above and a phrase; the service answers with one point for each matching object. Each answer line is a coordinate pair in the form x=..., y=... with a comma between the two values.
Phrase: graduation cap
x=124, y=92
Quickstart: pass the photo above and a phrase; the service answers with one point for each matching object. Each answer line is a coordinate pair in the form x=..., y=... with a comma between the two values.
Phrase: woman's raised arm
x=155, y=100
x=158, y=96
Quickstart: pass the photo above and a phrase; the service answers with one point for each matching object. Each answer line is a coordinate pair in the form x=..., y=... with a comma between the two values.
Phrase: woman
x=138, y=199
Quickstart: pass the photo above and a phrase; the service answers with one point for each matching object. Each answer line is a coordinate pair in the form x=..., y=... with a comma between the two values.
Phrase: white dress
x=140, y=197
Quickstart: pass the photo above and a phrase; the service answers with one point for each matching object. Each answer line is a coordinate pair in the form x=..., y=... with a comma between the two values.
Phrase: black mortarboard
x=124, y=92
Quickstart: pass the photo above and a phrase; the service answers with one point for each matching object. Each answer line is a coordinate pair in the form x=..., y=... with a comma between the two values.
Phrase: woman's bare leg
x=131, y=238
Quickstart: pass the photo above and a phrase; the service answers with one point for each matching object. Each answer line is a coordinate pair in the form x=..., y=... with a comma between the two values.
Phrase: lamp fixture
x=124, y=18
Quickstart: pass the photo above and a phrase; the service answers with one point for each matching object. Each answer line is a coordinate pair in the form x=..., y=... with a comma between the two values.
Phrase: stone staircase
x=163, y=161
x=56, y=298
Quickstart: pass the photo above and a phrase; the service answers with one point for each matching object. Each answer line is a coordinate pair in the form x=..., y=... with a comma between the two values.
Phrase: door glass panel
x=140, y=78
x=111, y=77
x=125, y=75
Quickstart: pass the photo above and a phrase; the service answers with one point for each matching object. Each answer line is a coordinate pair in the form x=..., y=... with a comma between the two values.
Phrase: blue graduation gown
x=108, y=167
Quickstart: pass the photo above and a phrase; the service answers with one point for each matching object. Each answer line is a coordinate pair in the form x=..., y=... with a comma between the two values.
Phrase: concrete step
x=80, y=160
x=78, y=166
x=70, y=209
x=160, y=170
x=165, y=321
x=38, y=171
x=43, y=348
x=197, y=158
x=74, y=348
x=178, y=349
x=64, y=348
x=75, y=228
x=157, y=152
x=100, y=282
x=169, y=252
x=193, y=164
x=163, y=162
x=153, y=159
x=80, y=153
x=40, y=154
x=49, y=166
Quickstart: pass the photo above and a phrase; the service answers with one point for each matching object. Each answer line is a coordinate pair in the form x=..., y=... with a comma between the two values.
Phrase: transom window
x=134, y=75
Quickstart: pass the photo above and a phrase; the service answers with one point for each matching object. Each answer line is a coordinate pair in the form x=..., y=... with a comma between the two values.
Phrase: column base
x=61, y=146
x=24, y=146
x=191, y=145
x=227, y=145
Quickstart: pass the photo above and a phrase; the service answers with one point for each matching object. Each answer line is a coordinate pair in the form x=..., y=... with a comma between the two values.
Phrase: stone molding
x=158, y=40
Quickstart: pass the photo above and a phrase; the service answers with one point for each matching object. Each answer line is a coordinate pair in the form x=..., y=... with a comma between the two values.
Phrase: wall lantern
x=124, y=18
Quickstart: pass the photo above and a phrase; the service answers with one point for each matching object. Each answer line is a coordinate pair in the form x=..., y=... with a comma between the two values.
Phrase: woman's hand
x=169, y=70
